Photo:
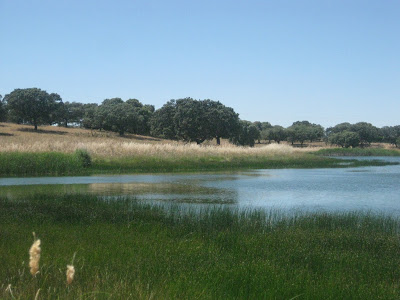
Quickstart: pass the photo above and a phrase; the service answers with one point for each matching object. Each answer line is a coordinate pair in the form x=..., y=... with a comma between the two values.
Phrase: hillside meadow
x=53, y=151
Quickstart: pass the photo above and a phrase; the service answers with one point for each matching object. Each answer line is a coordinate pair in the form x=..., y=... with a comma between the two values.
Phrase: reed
x=136, y=250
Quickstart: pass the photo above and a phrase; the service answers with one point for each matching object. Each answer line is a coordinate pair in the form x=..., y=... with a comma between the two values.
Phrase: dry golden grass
x=21, y=138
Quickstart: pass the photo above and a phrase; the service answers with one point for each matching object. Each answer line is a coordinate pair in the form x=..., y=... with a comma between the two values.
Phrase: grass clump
x=358, y=152
x=84, y=157
x=134, y=250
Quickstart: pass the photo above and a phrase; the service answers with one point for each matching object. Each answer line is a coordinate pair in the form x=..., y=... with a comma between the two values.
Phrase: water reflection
x=367, y=188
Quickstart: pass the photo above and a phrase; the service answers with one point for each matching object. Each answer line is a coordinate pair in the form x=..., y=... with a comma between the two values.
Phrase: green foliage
x=222, y=121
x=70, y=112
x=338, y=128
x=32, y=105
x=391, y=134
x=46, y=163
x=162, y=122
x=276, y=133
x=131, y=250
x=367, y=132
x=89, y=116
x=191, y=124
x=345, y=139
x=116, y=115
x=193, y=120
x=84, y=157
x=246, y=135
x=302, y=131
x=3, y=110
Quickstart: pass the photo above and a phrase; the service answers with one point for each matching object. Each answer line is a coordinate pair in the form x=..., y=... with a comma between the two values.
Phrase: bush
x=84, y=157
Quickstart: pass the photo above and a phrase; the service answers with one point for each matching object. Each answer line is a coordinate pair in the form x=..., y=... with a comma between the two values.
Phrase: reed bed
x=127, y=249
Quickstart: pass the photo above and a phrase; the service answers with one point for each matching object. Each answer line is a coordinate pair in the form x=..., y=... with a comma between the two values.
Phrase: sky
x=278, y=61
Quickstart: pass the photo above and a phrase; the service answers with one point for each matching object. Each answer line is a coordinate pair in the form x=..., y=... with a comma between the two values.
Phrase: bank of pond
x=82, y=163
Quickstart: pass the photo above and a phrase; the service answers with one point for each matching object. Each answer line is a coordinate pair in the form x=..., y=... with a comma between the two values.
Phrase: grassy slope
x=127, y=250
x=50, y=151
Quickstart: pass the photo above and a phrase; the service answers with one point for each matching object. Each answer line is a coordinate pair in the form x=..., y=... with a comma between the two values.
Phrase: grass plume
x=34, y=256
x=70, y=273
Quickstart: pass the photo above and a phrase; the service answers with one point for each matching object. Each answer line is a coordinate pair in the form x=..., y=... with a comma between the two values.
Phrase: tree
x=338, y=128
x=70, y=112
x=262, y=126
x=276, y=133
x=116, y=115
x=223, y=122
x=303, y=130
x=246, y=135
x=89, y=116
x=162, y=121
x=144, y=113
x=391, y=134
x=367, y=132
x=3, y=111
x=345, y=139
x=32, y=105
x=190, y=120
x=298, y=132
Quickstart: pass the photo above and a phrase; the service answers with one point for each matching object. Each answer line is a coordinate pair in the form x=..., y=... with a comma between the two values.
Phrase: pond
x=374, y=189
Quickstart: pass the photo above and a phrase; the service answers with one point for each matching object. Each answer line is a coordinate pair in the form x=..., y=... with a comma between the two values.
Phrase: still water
x=374, y=189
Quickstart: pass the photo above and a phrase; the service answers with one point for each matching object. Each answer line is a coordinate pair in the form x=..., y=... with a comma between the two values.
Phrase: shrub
x=84, y=157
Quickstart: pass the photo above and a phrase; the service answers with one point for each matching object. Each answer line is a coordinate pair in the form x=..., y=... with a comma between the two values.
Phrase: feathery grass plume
x=70, y=273
x=34, y=256
x=71, y=270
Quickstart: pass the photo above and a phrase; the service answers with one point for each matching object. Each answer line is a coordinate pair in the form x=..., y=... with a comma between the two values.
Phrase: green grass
x=131, y=250
x=54, y=163
x=195, y=164
x=25, y=164
x=358, y=152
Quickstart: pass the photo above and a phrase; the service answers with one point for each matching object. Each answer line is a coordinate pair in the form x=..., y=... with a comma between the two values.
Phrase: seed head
x=34, y=257
x=70, y=273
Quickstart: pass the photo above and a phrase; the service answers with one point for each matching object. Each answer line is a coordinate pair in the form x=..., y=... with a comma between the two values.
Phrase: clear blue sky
x=278, y=61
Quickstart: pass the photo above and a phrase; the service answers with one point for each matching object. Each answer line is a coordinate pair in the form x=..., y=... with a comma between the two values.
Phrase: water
x=374, y=189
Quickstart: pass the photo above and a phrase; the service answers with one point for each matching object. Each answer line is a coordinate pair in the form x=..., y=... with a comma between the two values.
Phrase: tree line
x=186, y=119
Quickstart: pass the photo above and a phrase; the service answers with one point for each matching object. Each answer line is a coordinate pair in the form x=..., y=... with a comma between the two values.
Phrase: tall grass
x=58, y=151
x=22, y=164
x=132, y=250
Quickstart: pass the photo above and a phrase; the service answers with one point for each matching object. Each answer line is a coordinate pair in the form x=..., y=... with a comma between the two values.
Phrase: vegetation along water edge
x=127, y=249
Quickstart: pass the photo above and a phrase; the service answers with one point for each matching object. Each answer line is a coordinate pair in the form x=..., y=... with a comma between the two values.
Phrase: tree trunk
x=218, y=140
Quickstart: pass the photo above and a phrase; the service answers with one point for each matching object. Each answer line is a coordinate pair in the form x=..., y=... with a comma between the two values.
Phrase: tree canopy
x=193, y=120
x=32, y=105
